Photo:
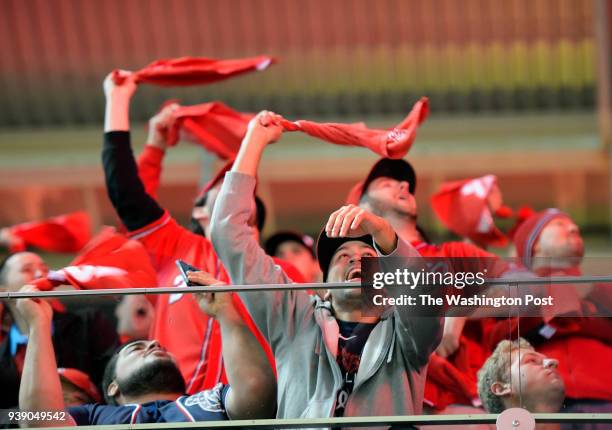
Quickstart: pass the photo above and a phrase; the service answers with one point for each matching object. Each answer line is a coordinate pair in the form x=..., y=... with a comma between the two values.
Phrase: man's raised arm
x=125, y=189
x=40, y=389
x=235, y=241
x=253, y=386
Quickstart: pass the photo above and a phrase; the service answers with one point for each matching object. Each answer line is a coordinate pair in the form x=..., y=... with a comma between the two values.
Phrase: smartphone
x=184, y=268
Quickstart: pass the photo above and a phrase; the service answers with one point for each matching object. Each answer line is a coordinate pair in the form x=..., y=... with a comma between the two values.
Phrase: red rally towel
x=462, y=206
x=195, y=70
x=394, y=143
x=453, y=380
x=110, y=260
x=218, y=128
x=64, y=233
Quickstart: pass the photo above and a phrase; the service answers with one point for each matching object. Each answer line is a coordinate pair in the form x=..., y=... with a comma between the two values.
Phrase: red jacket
x=582, y=345
x=180, y=325
x=453, y=380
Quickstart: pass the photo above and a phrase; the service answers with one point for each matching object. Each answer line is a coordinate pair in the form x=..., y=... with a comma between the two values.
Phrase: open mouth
x=354, y=275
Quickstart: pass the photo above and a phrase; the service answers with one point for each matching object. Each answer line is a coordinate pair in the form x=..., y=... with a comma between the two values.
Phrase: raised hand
x=124, y=89
x=37, y=312
x=213, y=304
x=160, y=124
x=353, y=221
x=264, y=128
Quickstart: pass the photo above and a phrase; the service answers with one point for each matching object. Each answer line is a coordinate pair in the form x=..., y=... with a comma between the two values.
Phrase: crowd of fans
x=288, y=354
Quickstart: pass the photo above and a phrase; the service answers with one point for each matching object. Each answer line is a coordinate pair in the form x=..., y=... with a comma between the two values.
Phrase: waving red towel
x=64, y=233
x=394, y=143
x=109, y=260
x=463, y=208
x=195, y=70
x=220, y=129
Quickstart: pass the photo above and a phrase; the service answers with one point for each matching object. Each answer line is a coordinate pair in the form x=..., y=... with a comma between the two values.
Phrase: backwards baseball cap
x=528, y=232
x=218, y=178
x=281, y=237
x=400, y=170
x=81, y=381
x=327, y=247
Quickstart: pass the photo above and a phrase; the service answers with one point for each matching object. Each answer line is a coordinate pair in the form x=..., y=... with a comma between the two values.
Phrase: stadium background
x=512, y=85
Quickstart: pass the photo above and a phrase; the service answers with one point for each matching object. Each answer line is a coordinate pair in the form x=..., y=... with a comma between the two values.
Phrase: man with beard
x=332, y=360
x=142, y=382
x=389, y=192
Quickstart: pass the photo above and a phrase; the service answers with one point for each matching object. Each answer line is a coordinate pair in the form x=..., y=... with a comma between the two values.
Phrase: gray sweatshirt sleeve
x=276, y=313
x=418, y=336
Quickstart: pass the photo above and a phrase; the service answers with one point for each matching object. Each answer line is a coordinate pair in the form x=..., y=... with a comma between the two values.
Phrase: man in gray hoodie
x=331, y=360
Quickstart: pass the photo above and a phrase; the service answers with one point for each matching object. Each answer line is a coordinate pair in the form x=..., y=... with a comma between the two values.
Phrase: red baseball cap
x=80, y=380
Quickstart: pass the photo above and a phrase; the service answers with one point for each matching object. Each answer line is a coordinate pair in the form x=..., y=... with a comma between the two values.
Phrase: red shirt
x=180, y=325
x=453, y=380
x=582, y=345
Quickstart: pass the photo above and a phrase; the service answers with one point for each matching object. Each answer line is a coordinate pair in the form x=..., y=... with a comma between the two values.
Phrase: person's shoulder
x=207, y=405
x=95, y=414
x=463, y=249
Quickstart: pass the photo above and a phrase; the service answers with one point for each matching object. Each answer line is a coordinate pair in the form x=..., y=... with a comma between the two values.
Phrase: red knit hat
x=528, y=232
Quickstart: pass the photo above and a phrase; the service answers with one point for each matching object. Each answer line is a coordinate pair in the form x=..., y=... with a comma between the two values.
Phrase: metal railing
x=397, y=421
x=280, y=287
x=384, y=421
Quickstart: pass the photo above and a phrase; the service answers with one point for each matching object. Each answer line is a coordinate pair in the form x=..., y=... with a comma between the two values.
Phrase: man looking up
x=142, y=382
x=331, y=359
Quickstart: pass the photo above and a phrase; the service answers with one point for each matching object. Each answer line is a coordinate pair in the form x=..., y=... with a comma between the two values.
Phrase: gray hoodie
x=303, y=332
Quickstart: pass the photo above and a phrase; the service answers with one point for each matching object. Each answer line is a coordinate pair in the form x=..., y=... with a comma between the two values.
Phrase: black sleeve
x=103, y=341
x=123, y=185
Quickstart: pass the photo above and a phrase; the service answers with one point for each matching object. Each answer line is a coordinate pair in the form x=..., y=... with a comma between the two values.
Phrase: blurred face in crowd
x=560, y=243
x=20, y=269
x=144, y=367
x=345, y=266
x=296, y=254
x=535, y=380
x=202, y=214
x=134, y=317
x=386, y=196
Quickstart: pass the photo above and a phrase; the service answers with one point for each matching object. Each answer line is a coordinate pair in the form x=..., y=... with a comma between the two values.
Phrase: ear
x=500, y=389
x=113, y=389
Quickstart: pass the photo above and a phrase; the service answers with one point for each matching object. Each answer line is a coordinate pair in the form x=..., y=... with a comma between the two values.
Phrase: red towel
x=195, y=70
x=220, y=129
x=109, y=260
x=463, y=208
x=64, y=233
x=394, y=143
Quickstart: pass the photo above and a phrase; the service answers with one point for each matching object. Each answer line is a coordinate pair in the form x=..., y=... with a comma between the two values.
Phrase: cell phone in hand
x=184, y=268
